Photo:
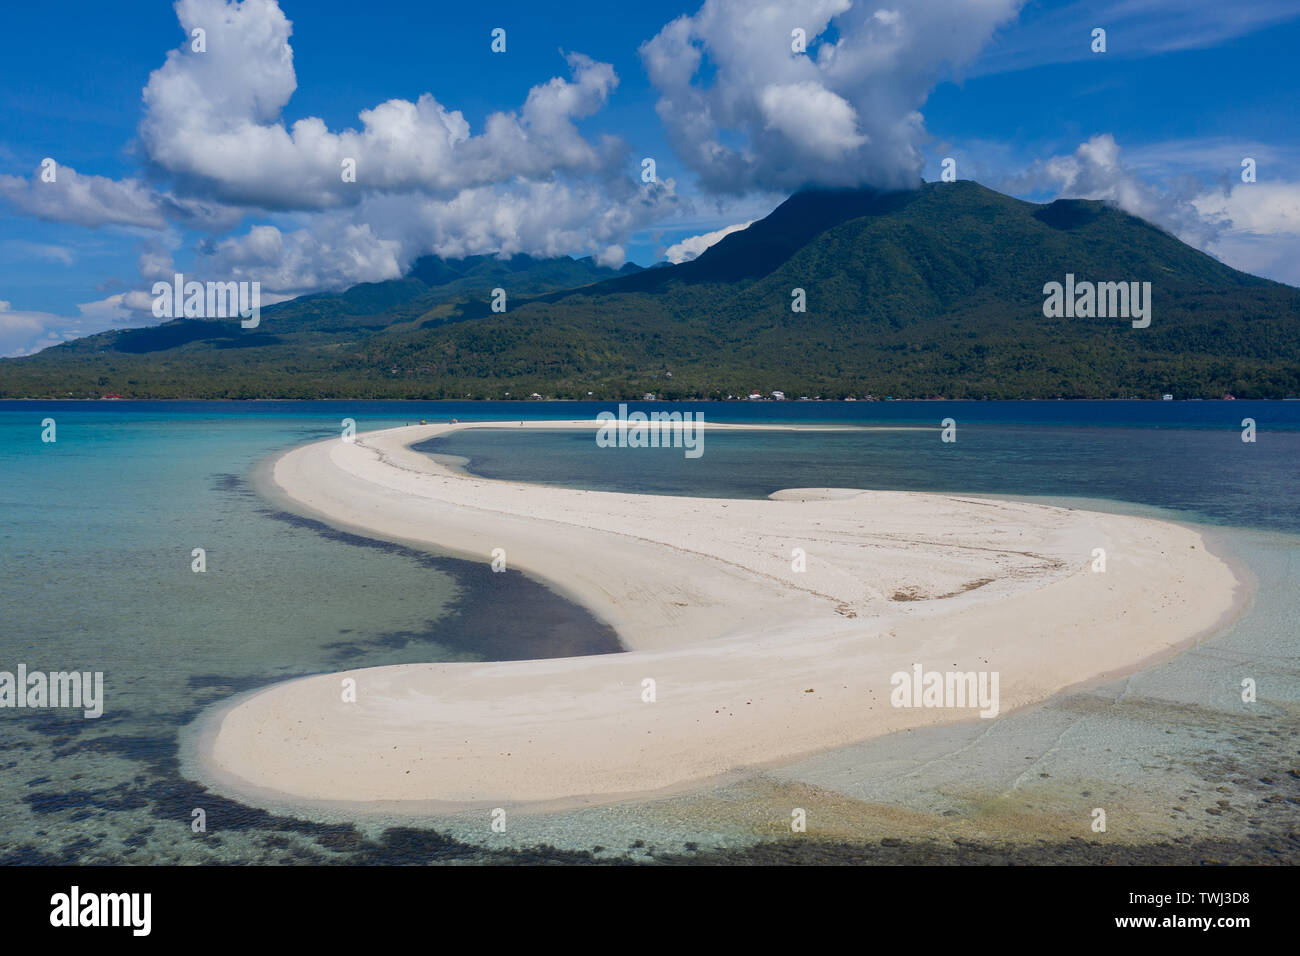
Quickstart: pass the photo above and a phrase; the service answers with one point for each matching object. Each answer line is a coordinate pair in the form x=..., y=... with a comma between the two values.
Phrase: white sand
x=752, y=662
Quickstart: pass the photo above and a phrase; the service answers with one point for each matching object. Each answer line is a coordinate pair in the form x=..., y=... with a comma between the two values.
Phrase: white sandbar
x=752, y=662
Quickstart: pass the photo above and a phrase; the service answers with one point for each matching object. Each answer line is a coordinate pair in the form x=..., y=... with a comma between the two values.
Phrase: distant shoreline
x=661, y=401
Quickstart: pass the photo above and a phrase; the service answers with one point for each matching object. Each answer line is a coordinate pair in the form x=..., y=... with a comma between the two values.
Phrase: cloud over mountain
x=746, y=110
x=413, y=178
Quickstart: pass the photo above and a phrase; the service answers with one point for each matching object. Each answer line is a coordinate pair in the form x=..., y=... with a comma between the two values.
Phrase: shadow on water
x=498, y=616
x=493, y=617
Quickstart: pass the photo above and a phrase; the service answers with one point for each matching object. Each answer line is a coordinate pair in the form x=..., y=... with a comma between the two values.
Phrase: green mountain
x=934, y=291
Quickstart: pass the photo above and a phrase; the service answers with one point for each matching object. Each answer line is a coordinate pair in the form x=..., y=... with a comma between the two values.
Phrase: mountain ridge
x=932, y=291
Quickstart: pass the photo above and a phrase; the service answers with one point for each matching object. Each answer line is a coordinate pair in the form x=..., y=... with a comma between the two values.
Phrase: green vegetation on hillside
x=934, y=292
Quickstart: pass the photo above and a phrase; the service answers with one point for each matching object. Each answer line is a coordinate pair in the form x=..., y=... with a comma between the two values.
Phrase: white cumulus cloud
x=27, y=332
x=1262, y=208
x=692, y=246
x=746, y=111
x=1254, y=227
x=213, y=122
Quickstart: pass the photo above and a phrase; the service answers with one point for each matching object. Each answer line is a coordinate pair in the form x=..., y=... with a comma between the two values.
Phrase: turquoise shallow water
x=1172, y=754
x=97, y=529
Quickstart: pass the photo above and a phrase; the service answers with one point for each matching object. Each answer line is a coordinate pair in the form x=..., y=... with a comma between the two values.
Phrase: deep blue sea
x=98, y=530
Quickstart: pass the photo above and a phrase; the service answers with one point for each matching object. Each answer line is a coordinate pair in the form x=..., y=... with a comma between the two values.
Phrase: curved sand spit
x=751, y=662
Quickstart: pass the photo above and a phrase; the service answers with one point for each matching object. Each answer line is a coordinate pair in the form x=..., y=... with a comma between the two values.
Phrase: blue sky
x=208, y=174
